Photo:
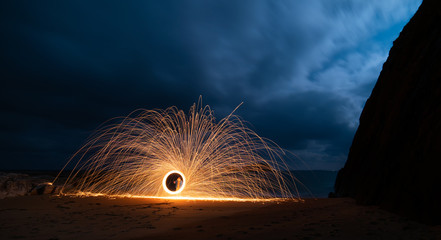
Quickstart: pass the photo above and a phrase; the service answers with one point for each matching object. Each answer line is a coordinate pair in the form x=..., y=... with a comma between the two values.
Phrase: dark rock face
x=19, y=184
x=395, y=157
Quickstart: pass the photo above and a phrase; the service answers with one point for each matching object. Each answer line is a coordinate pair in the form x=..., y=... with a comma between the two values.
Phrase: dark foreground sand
x=52, y=217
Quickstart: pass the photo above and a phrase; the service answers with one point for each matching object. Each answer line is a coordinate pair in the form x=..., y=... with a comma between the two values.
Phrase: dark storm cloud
x=303, y=70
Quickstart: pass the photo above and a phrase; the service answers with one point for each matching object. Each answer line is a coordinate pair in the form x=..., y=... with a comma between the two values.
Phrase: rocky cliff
x=395, y=157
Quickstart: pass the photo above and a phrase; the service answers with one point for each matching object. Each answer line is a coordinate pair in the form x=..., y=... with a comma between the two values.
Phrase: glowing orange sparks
x=167, y=153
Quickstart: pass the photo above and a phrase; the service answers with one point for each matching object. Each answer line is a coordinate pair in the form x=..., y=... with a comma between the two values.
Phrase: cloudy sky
x=303, y=69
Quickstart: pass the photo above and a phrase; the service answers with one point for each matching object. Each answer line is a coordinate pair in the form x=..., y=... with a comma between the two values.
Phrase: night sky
x=303, y=69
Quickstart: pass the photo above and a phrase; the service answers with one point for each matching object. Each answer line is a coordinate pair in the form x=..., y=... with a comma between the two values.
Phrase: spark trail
x=146, y=152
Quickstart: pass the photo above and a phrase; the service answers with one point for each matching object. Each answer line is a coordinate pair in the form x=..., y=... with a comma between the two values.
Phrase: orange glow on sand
x=232, y=199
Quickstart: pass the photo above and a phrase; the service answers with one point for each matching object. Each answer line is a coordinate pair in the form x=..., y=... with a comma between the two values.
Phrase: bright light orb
x=170, y=182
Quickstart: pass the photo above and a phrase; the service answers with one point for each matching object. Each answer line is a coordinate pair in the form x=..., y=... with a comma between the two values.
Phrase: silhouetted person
x=178, y=183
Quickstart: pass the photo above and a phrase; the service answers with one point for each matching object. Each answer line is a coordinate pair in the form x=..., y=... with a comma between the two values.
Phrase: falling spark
x=146, y=152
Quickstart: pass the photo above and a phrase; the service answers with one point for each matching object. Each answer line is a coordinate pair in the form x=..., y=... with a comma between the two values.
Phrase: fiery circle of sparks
x=224, y=159
x=164, y=182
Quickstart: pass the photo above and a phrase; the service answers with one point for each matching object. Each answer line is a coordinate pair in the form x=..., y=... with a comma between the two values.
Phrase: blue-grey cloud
x=302, y=69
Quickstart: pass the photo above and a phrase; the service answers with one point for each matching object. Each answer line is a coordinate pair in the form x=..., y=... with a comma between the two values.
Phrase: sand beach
x=65, y=217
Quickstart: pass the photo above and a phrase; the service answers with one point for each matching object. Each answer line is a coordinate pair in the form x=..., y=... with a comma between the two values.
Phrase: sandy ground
x=54, y=217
